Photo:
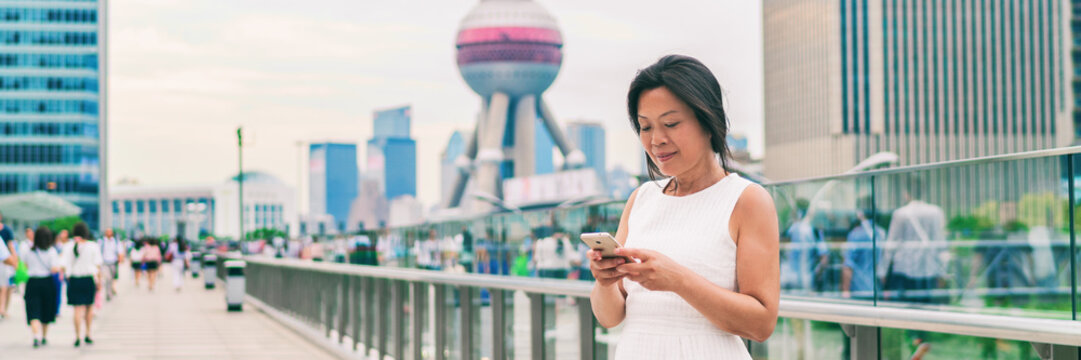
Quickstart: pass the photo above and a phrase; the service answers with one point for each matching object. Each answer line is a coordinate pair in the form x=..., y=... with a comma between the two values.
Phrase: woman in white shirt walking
x=42, y=261
x=177, y=256
x=82, y=262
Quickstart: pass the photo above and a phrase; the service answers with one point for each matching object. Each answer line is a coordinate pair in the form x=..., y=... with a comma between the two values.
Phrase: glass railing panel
x=827, y=230
x=903, y=344
x=521, y=343
x=561, y=328
x=987, y=237
x=803, y=339
x=1073, y=184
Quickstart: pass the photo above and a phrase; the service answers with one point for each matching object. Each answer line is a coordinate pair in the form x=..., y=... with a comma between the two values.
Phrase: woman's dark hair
x=43, y=238
x=690, y=81
x=181, y=245
x=80, y=230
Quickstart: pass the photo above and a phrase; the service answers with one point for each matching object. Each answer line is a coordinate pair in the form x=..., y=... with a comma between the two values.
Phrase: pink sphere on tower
x=509, y=46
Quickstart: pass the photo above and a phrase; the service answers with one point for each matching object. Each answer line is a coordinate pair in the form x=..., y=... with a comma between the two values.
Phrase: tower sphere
x=509, y=46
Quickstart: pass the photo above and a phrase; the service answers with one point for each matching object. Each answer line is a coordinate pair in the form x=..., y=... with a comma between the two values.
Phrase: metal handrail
x=530, y=285
x=938, y=165
x=1045, y=331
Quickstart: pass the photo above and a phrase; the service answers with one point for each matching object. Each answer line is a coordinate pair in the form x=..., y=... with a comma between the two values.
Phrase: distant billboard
x=551, y=188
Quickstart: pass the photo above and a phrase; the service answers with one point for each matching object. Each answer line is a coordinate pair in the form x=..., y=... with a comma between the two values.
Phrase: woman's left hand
x=654, y=271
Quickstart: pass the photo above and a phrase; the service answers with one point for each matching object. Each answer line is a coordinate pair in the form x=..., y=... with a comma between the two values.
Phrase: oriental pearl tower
x=509, y=52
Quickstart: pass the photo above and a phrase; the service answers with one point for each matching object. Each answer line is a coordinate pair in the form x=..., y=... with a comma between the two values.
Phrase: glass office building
x=929, y=81
x=52, y=102
x=334, y=178
x=589, y=137
x=392, y=153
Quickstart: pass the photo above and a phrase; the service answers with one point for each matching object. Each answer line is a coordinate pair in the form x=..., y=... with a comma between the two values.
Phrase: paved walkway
x=163, y=324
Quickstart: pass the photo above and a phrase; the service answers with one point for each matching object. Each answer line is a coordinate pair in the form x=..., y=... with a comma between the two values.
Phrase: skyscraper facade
x=393, y=122
x=52, y=102
x=392, y=154
x=333, y=178
x=929, y=81
x=590, y=138
x=448, y=169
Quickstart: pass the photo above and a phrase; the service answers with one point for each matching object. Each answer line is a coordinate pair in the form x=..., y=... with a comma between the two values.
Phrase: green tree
x=64, y=223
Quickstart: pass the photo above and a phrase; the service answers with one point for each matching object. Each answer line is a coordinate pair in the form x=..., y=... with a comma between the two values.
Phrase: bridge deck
x=163, y=324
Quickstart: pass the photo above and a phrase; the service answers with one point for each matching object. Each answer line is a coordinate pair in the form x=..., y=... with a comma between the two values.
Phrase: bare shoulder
x=754, y=212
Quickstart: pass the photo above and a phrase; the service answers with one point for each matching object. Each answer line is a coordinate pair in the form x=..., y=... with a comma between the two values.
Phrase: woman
x=177, y=256
x=42, y=261
x=704, y=240
x=82, y=262
x=60, y=243
x=136, y=256
x=151, y=260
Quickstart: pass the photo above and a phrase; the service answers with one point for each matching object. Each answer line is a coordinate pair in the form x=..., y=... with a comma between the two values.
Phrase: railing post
x=328, y=303
x=536, y=326
x=343, y=309
x=355, y=310
x=369, y=328
x=586, y=329
x=440, y=330
x=863, y=341
x=499, y=323
x=419, y=297
x=381, y=312
x=465, y=294
x=397, y=327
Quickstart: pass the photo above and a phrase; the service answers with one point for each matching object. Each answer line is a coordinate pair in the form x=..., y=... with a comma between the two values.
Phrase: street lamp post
x=240, y=178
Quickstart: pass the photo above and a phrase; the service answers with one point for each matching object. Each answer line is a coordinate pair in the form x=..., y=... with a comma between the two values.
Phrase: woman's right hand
x=604, y=269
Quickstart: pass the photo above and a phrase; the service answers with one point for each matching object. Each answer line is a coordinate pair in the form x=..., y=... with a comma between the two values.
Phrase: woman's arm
x=608, y=298
x=751, y=312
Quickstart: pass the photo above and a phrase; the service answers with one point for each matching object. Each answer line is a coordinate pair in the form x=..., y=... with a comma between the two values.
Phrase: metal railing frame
x=330, y=303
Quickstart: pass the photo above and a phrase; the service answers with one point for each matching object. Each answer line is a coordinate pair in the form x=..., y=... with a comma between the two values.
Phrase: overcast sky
x=183, y=74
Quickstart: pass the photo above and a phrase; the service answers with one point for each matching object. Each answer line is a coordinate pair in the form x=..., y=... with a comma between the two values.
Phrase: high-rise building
x=448, y=169
x=53, y=124
x=392, y=153
x=333, y=179
x=928, y=80
x=1075, y=53
x=393, y=162
x=590, y=138
x=393, y=122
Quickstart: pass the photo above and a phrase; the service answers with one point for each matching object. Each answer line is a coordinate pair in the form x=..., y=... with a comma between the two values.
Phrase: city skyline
x=178, y=91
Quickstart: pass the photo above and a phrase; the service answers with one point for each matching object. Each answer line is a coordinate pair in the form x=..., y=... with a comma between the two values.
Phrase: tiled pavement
x=163, y=324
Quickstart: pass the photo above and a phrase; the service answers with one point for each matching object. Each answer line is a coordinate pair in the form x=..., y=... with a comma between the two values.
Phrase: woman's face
x=670, y=132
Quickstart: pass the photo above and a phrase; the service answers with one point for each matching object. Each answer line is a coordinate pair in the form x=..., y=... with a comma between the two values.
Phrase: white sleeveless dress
x=693, y=231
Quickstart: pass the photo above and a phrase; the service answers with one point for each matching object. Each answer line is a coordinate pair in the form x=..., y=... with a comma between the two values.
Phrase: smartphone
x=603, y=243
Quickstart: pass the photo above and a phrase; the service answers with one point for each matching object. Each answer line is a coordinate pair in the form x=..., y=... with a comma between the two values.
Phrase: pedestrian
x=60, y=242
x=136, y=259
x=42, y=261
x=82, y=263
x=151, y=261
x=112, y=253
x=177, y=257
x=7, y=272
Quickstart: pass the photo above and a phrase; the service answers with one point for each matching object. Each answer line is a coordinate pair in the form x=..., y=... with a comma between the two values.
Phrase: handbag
x=169, y=256
x=22, y=273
